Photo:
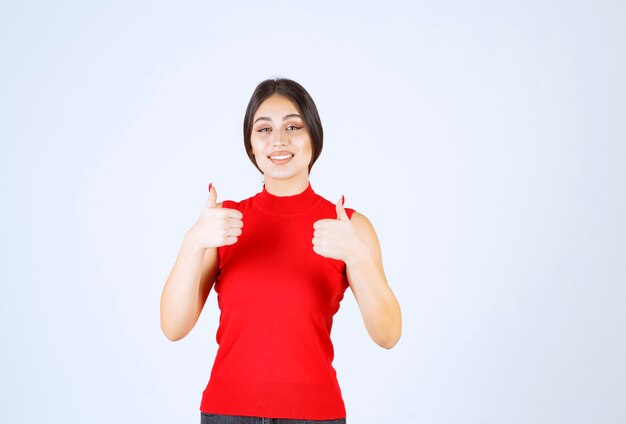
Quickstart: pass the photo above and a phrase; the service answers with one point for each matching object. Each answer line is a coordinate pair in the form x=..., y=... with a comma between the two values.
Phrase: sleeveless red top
x=277, y=299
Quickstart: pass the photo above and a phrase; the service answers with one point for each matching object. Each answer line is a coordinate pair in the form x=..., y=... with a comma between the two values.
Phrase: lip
x=280, y=153
x=281, y=157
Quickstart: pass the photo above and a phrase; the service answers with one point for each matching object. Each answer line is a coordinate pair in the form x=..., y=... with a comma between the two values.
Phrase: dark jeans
x=235, y=419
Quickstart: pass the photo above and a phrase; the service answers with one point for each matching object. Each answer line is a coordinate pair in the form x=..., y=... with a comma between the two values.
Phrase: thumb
x=341, y=212
x=212, y=196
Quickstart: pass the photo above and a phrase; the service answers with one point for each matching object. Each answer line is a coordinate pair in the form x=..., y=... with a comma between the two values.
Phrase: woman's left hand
x=354, y=241
x=337, y=238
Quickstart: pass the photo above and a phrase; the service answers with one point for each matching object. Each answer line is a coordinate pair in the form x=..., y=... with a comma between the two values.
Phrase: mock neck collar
x=287, y=205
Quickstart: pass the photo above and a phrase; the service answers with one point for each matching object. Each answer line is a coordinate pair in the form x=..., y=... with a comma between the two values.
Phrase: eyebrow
x=265, y=118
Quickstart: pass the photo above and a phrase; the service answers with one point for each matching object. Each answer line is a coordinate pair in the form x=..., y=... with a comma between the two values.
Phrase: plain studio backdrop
x=484, y=140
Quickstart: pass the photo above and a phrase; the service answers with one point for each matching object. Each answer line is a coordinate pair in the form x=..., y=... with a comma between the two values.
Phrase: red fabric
x=277, y=299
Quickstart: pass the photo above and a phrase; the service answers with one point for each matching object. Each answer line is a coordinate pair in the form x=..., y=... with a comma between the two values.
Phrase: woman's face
x=280, y=141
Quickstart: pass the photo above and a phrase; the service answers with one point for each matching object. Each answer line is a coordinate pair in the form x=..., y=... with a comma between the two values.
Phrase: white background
x=484, y=140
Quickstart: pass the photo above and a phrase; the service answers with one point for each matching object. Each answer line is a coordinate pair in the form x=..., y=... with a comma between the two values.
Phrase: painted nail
x=210, y=187
x=343, y=200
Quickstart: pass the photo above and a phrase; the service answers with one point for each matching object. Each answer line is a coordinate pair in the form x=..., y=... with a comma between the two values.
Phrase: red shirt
x=277, y=299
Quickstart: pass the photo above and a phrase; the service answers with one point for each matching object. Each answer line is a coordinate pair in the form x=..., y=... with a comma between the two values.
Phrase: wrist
x=359, y=256
x=192, y=244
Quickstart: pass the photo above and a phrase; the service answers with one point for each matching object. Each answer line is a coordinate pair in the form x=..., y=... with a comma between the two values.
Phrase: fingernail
x=343, y=200
x=210, y=187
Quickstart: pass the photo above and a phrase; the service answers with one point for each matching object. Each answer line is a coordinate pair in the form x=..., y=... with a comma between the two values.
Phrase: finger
x=235, y=223
x=319, y=250
x=233, y=232
x=321, y=223
x=233, y=213
x=230, y=240
x=212, y=196
x=341, y=212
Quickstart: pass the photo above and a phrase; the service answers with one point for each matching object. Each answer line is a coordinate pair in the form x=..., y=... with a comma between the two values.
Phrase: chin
x=280, y=175
x=283, y=174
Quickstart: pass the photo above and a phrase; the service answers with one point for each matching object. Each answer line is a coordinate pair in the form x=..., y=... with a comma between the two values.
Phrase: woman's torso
x=277, y=299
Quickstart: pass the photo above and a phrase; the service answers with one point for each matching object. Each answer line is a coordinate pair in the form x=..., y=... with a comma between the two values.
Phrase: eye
x=293, y=128
x=262, y=130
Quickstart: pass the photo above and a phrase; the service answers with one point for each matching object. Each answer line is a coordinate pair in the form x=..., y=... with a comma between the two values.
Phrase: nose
x=281, y=139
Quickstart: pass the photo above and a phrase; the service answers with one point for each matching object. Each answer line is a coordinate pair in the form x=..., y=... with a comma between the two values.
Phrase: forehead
x=276, y=105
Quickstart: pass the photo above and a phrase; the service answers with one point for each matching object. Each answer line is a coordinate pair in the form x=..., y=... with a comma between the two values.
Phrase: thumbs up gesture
x=336, y=238
x=216, y=226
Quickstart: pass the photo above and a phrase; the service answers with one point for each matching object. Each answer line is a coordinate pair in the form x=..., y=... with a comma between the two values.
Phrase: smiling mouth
x=280, y=158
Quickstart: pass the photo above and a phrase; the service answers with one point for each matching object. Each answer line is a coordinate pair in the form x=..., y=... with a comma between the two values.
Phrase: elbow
x=172, y=337
x=388, y=342
x=388, y=335
x=174, y=326
x=389, y=345
x=389, y=338
x=171, y=334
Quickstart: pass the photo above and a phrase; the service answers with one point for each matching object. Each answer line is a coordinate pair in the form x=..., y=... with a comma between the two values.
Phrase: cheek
x=304, y=143
x=307, y=147
x=257, y=146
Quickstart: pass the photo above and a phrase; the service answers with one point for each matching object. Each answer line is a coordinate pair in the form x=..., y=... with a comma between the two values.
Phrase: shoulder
x=230, y=204
x=234, y=204
x=331, y=207
x=362, y=225
x=365, y=231
x=361, y=222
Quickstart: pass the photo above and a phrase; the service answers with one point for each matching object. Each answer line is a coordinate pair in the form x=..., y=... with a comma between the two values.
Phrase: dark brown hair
x=305, y=104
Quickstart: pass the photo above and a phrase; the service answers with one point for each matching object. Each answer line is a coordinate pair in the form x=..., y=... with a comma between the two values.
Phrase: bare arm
x=354, y=241
x=187, y=289
x=378, y=305
x=196, y=267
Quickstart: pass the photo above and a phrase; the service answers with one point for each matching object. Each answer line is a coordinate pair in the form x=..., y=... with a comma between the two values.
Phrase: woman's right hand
x=217, y=226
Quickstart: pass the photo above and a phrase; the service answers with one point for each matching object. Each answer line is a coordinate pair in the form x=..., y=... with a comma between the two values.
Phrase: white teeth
x=282, y=157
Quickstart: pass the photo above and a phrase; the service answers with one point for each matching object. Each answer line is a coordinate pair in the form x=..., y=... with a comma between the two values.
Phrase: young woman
x=280, y=261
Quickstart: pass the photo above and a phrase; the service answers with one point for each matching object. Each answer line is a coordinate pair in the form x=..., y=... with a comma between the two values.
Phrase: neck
x=286, y=187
